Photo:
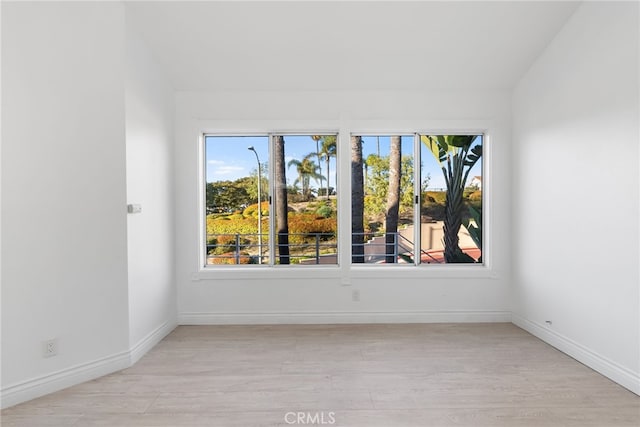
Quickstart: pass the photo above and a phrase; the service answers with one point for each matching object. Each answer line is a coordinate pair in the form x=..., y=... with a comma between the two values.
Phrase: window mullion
x=417, y=192
x=272, y=192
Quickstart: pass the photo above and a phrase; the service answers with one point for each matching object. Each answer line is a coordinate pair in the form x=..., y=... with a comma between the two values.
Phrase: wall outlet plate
x=50, y=347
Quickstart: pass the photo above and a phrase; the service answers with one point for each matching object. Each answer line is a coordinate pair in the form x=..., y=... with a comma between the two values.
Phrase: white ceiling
x=328, y=45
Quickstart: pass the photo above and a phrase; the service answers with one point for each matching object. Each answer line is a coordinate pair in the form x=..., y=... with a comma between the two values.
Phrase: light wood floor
x=358, y=375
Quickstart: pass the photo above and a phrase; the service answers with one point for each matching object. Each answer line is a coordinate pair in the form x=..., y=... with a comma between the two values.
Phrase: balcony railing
x=386, y=248
x=321, y=248
x=313, y=249
x=305, y=249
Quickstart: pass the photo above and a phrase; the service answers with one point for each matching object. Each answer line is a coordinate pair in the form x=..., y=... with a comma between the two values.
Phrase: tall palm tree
x=328, y=149
x=317, y=139
x=393, y=199
x=456, y=158
x=307, y=169
x=282, y=221
x=357, y=201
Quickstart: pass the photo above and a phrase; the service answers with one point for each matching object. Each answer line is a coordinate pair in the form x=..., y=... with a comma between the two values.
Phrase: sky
x=229, y=157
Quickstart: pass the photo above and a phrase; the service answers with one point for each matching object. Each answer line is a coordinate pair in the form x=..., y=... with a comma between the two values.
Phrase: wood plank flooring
x=343, y=375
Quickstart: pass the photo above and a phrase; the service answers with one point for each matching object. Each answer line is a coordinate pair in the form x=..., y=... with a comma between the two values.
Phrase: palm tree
x=307, y=169
x=282, y=221
x=393, y=199
x=328, y=149
x=357, y=201
x=317, y=139
x=456, y=158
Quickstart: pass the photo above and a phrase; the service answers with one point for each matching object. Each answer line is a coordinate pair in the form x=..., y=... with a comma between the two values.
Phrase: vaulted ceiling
x=325, y=45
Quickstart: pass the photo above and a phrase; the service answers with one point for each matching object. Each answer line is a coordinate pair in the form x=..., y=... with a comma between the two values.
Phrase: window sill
x=337, y=272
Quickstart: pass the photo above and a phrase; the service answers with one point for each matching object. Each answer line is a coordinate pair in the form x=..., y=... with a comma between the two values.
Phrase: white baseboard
x=143, y=346
x=600, y=364
x=274, y=318
x=36, y=387
x=62, y=379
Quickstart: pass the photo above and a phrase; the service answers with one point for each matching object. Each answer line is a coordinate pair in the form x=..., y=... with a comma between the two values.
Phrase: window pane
x=383, y=203
x=305, y=201
x=237, y=232
x=451, y=210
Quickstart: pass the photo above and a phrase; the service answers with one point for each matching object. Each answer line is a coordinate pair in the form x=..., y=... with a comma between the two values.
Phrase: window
x=451, y=206
x=391, y=195
x=386, y=196
x=271, y=199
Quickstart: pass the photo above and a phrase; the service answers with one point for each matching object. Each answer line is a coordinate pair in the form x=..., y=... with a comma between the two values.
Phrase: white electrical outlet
x=355, y=295
x=50, y=348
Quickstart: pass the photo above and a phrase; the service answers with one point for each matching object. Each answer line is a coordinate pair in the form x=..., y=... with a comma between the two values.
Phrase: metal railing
x=246, y=248
x=375, y=249
x=430, y=258
x=378, y=248
x=371, y=248
x=313, y=249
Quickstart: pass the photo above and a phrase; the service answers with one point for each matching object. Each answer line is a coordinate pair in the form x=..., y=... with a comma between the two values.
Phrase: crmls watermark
x=310, y=418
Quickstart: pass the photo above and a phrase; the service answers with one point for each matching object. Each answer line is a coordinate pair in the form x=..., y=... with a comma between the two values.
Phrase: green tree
x=377, y=184
x=226, y=196
x=406, y=184
x=456, y=157
x=251, y=183
x=306, y=169
x=328, y=149
x=317, y=139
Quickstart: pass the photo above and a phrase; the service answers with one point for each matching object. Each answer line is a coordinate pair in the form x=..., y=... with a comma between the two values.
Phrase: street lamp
x=259, y=206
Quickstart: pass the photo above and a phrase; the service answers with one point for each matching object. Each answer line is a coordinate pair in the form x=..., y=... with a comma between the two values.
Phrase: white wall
x=149, y=135
x=311, y=294
x=64, y=252
x=74, y=267
x=576, y=163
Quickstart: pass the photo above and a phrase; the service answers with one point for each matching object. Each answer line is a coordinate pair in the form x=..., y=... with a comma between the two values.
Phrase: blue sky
x=228, y=157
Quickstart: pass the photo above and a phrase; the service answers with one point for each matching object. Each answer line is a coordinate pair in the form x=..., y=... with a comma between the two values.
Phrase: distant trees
x=228, y=196
x=377, y=184
x=317, y=139
x=252, y=183
x=307, y=169
x=328, y=149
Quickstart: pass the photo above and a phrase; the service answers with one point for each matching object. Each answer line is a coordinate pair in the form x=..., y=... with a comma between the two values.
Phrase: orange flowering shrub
x=308, y=223
x=229, y=258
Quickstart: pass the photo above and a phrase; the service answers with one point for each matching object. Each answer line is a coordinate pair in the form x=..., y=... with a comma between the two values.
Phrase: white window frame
x=345, y=270
x=417, y=191
x=270, y=173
